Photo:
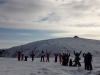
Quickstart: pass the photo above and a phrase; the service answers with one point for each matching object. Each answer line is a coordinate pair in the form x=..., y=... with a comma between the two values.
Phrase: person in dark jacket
x=56, y=56
x=70, y=62
x=67, y=58
x=32, y=55
x=26, y=58
x=77, y=58
x=89, y=61
x=85, y=61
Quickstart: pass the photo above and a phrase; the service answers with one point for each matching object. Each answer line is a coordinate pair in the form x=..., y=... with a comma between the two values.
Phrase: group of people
x=65, y=61
x=63, y=58
x=87, y=61
x=21, y=56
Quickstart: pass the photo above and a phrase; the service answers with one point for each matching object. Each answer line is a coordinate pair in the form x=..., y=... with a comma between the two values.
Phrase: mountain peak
x=59, y=45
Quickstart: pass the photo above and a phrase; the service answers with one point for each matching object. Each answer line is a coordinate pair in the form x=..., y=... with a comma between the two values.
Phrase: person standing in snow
x=67, y=58
x=89, y=61
x=56, y=56
x=60, y=58
x=47, y=55
x=26, y=58
x=85, y=61
x=32, y=55
x=42, y=56
x=77, y=58
x=64, y=59
x=70, y=62
x=22, y=55
x=19, y=54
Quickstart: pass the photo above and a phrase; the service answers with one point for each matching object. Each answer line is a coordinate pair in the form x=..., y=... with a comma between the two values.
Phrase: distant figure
x=56, y=56
x=26, y=58
x=42, y=56
x=89, y=64
x=77, y=58
x=60, y=58
x=47, y=55
x=19, y=54
x=70, y=62
x=22, y=56
x=85, y=61
x=64, y=59
x=67, y=58
x=32, y=55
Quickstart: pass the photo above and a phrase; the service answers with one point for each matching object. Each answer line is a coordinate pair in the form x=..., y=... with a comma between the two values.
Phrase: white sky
x=75, y=17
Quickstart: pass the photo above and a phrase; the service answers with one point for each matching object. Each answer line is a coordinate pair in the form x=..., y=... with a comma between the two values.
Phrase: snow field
x=10, y=66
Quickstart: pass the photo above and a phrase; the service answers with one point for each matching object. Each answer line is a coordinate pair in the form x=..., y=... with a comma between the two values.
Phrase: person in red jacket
x=47, y=55
x=22, y=56
x=19, y=54
x=60, y=58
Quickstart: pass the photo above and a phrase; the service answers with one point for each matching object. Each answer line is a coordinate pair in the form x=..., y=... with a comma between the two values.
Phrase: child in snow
x=26, y=58
x=70, y=62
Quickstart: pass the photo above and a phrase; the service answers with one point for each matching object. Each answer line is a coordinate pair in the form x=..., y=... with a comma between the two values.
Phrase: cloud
x=71, y=16
x=45, y=13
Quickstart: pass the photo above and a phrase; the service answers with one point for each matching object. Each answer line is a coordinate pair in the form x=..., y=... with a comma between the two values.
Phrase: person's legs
x=41, y=58
x=90, y=66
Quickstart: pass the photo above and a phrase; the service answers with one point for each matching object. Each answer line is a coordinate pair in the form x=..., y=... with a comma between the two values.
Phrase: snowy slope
x=10, y=66
x=58, y=45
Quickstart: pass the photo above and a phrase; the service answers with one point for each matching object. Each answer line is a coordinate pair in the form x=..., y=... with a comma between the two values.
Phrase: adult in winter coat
x=85, y=61
x=60, y=58
x=22, y=55
x=64, y=59
x=56, y=56
x=32, y=55
x=89, y=64
x=19, y=54
x=42, y=56
x=67, y=58
x=47, y=55
x=77, y=58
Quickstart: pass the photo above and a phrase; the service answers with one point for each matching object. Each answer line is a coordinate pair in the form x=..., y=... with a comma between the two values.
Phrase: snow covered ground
x=10, y=66
x=58, y=45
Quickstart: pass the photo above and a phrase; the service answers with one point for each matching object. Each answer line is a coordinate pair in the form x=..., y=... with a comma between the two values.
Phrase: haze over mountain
x=58, y=45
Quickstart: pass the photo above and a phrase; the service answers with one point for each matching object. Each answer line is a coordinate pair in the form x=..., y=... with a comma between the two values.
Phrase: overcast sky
x=25, y=21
